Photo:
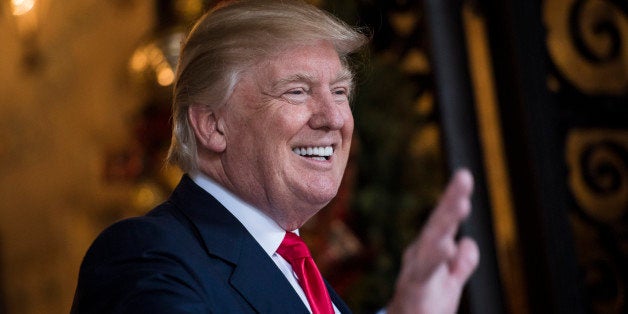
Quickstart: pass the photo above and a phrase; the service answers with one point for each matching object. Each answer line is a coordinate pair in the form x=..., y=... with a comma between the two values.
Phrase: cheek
x=293, y=114
x=287, y=124
x=348, y=125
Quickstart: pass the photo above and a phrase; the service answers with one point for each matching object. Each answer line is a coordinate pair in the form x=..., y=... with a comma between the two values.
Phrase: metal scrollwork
x=598, y=178
x=598, y=163
x=586, y=42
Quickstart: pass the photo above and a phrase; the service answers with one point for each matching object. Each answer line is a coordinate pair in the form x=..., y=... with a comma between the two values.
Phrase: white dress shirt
x=264, y=230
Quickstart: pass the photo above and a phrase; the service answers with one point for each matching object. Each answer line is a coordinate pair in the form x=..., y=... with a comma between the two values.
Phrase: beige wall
x=57, y=122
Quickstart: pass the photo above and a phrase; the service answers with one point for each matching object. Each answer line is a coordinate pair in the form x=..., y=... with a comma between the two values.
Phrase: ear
x=206, y=127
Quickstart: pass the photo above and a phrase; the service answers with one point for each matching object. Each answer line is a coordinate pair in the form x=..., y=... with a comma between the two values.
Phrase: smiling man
x=262, y=128
x=290, y=117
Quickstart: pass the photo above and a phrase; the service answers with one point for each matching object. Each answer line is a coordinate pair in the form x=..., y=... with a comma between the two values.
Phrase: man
x=262, y=127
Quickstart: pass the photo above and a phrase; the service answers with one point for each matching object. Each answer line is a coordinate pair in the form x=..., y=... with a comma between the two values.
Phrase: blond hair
x=229, y=39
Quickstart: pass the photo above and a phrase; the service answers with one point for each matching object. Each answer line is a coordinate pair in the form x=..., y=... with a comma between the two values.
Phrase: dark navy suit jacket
x=188, y=255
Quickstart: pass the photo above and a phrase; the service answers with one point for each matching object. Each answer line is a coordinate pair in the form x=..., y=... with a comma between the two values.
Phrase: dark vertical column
x=533, y=145
x=461, y=144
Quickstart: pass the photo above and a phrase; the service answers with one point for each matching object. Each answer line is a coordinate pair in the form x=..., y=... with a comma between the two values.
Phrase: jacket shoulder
x=142, y=262
x=138, y=236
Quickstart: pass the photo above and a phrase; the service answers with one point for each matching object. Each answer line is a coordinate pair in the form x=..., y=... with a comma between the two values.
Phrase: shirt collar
x=263, y=229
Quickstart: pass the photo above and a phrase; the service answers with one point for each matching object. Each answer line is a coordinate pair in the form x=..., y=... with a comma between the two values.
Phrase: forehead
x=317, y=61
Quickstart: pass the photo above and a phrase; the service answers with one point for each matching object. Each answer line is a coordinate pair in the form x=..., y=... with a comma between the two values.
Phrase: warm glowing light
x=21, y=7
x=139, y=61
x=145, y=196
x=165, y=75
x=189, y=8
x=152, y=61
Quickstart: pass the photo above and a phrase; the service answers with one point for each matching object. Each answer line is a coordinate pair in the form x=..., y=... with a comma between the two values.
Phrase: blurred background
x=531, y=95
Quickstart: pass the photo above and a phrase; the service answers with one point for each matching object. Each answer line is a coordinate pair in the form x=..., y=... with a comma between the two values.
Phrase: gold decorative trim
x=598, y=172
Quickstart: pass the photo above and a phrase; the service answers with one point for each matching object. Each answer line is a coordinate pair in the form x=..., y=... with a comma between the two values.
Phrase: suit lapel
x=255, y=276
x=263, y=285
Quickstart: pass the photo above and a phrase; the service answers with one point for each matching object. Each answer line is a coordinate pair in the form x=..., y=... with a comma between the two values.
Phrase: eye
x=299, y=91
x=296, y=95
x=340, y=93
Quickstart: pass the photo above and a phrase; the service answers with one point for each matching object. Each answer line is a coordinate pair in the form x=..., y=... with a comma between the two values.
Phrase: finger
x=453, y=208
x=436, y=243
x=425, y=257
x=466, y=260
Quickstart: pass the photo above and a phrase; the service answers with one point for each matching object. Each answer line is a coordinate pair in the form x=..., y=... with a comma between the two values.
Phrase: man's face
x=288, y=128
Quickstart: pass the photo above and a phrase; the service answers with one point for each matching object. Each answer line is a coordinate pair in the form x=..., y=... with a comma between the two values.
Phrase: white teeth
x=318, y=153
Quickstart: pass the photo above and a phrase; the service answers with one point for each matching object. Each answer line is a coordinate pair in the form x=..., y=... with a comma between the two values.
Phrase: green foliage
x=396, y=186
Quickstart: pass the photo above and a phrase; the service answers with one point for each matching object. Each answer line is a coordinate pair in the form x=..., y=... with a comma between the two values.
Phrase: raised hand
x=436, y=266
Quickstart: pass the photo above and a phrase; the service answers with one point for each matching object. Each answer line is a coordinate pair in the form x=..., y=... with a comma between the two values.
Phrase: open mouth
x=316, y=153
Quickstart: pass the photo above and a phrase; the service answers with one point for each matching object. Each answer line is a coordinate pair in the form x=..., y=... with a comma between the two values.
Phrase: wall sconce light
x=28, y=14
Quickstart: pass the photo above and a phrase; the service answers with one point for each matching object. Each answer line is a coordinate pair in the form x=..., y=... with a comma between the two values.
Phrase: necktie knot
x=293, y=248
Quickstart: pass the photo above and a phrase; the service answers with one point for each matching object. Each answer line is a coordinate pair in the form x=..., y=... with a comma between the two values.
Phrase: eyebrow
x=343, y=75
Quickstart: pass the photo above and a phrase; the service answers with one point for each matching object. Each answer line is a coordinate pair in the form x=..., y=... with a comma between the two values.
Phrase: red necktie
x=294, y=250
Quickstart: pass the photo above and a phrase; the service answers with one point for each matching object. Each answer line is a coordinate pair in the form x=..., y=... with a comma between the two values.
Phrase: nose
x=327, y=113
